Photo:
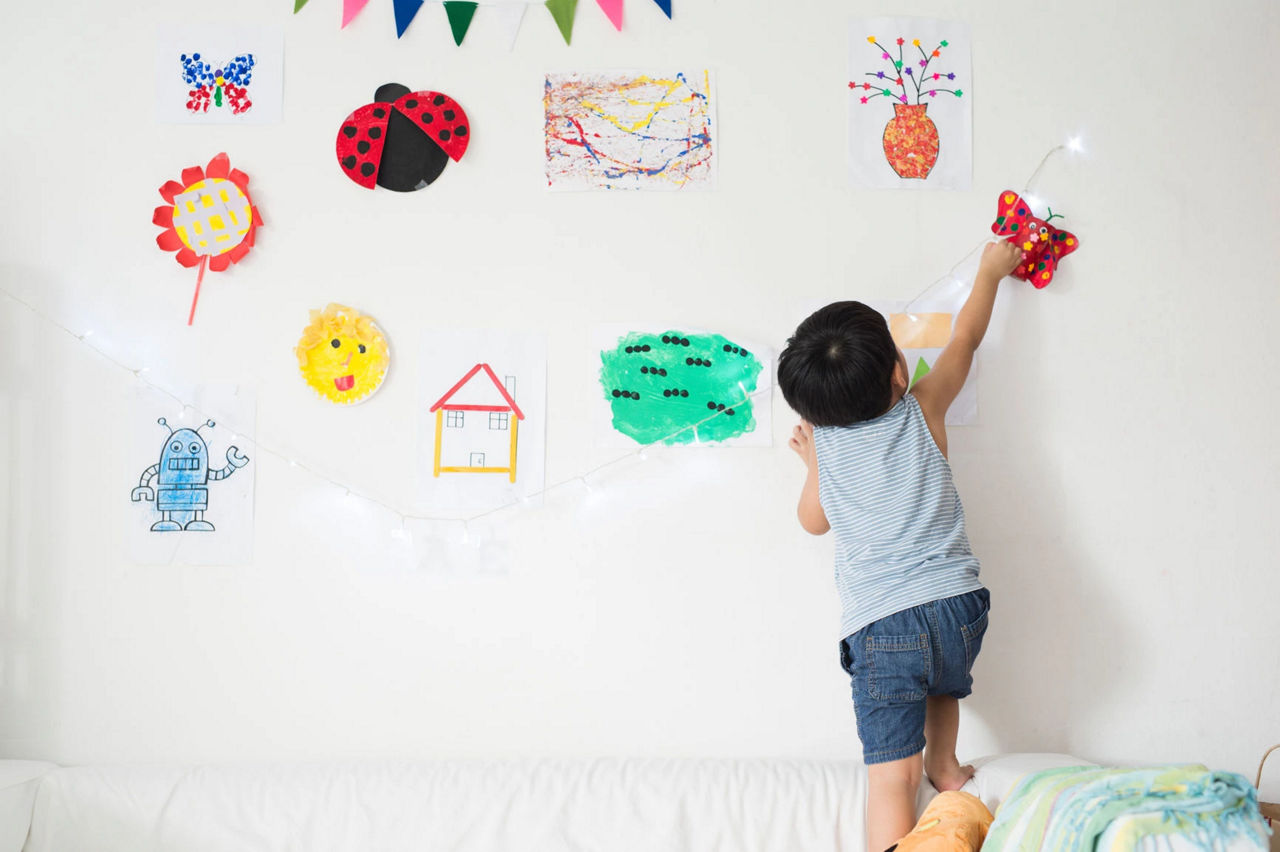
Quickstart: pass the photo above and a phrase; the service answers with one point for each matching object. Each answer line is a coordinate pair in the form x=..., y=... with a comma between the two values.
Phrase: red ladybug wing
x=440, y=118
x=1011, y=214
x=360, y=141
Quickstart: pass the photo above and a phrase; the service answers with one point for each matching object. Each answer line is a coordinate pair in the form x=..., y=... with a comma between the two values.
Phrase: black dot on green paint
x=684, y=341
x=720, y=407
x=630, y=349
x=684, y=393
x=666, y=393
x=646, y=347
x=711, y=405
x=617, y=393
x=689, y=361
x=728, y=348
x=666, y=338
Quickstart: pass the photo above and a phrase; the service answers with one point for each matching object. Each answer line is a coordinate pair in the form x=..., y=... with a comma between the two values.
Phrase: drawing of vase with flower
x=911, y=140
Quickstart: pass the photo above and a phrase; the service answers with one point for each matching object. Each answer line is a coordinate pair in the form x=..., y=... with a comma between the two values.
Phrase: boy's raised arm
x=936, y=391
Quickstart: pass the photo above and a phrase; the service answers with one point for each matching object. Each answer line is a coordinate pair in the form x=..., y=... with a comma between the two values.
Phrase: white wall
x=1121, y=489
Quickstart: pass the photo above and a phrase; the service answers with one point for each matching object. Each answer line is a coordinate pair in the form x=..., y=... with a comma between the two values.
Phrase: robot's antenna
x=209, y=423
x=165, y=424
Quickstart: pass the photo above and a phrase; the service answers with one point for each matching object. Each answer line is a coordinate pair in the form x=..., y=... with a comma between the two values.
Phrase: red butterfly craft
x=1044, y=245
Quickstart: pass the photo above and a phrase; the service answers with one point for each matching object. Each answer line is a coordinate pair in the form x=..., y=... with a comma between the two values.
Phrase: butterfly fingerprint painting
x=630, y=131
x=219, y=75
x=910, y=121
x=224, y=86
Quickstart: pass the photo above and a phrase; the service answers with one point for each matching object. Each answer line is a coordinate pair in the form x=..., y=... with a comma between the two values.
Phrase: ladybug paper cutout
x=403, y=140
x=1043, y=245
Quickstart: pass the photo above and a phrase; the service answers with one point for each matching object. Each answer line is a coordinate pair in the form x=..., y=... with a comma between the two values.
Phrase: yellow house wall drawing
x=476, y=428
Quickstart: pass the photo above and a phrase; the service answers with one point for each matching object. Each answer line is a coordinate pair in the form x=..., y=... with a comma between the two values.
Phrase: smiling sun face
x=343, y=354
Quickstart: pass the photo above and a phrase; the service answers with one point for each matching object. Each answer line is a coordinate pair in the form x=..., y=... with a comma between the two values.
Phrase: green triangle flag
x=460, y=15
x=297, y=5
x=922, y=370
x=563, y=11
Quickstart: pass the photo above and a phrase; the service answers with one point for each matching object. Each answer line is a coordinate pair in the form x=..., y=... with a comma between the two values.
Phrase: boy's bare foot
x=947, y=774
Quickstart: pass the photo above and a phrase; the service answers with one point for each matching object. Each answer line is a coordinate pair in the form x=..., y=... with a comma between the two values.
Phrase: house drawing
x=477, y=424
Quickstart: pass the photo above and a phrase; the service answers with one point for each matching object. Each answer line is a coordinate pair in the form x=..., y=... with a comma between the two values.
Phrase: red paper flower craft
x=208, y=219
x=1044, y=246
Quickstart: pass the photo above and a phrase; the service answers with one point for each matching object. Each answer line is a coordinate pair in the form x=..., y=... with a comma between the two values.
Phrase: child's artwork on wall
x=680, y=388
x=403, y=140
x=343, y=354
x=190, y=495
x=208, y=74
x=630, y=131
x=910, y=115
x=208, y=219
x=1044, y=245
x=482, y=415
x=922, y=333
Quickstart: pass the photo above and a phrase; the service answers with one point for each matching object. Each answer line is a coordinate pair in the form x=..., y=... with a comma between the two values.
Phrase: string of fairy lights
x=640, y=452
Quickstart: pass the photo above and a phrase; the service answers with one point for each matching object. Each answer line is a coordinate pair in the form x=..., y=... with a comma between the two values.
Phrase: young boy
x=914, y=611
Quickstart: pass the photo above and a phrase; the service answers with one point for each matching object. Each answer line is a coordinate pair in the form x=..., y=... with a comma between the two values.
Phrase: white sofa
x=533, y=806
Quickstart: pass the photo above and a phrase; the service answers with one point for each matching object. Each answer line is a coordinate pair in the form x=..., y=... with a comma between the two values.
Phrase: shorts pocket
x=898, y=667
x=973, y=633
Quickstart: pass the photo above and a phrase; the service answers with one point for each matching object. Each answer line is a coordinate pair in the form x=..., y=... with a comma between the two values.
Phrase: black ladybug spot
x=449, y=115
x=362, y=146
x=375, y=132
x=379, y=113
x=444, y=135
x=460, y=131
x=412, y=103
x=349, y=161
x=349, y=131
x=367, y=169
x=438, y=100
x=427, y=118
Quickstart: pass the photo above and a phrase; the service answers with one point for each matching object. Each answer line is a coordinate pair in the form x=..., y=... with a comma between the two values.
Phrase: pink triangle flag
x=613, y=8
x=351, y=8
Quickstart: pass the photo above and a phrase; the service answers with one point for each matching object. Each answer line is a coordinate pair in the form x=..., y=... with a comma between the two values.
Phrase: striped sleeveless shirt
x=887, y=491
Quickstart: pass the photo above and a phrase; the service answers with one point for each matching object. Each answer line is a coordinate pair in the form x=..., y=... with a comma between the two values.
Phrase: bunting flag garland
x=460, y=14
x=350, y=8
x=613, y=9
x=510, y=13
x=563, y=12
x=405, y=11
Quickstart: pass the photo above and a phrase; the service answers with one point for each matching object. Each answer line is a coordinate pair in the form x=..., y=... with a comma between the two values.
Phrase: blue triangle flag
x=405, y=10
x=664, y=5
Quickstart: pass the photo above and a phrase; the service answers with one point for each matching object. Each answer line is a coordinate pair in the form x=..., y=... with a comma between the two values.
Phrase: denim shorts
x=896, y=662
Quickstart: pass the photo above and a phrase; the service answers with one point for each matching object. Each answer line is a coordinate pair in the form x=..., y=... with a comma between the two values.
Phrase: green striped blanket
x=1112, y=810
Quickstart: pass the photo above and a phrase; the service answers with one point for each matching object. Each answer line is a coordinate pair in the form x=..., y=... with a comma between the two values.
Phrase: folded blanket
x=1086, y=807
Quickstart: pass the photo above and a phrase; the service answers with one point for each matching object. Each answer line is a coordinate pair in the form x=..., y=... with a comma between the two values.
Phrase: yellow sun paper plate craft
x=343, y=354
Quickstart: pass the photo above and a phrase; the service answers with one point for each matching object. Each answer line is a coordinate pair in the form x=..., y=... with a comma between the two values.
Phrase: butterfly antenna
x=1053, y=216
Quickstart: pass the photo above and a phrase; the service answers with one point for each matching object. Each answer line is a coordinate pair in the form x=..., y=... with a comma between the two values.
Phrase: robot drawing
x=181, y=477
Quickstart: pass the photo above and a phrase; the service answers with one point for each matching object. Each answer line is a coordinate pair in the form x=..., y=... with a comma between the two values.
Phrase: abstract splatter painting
x=910, y=116
x=677, y=386
x=623, y=130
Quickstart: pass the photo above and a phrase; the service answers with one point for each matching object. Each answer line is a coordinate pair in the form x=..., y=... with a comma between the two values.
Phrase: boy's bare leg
x=941, y=725
x=891, y=800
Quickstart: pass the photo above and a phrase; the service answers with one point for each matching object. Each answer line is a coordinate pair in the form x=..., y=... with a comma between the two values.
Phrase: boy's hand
x=802, y=442
x=1000, y=258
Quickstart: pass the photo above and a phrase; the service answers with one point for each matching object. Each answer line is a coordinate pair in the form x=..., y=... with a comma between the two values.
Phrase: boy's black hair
x=838, y=367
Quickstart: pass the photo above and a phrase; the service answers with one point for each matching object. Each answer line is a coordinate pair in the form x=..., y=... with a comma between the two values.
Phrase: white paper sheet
x=252, y=62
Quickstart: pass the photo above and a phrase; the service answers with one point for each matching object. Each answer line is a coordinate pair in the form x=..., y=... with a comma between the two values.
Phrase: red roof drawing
x=510, y=406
